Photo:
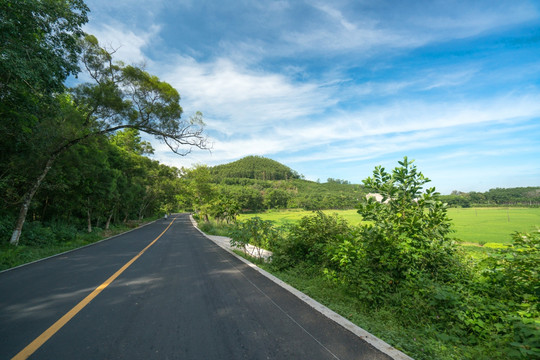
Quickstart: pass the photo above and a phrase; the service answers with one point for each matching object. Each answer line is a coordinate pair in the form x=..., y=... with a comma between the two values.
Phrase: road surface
x=182, y=298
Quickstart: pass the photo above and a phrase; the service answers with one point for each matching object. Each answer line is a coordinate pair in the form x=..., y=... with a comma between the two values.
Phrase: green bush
x=215, y=228
x=255, y=231
x=7, y=224
x=309, y=239
x=35, y=233
x=511, y=277
x=64, y=232
x=406, y=239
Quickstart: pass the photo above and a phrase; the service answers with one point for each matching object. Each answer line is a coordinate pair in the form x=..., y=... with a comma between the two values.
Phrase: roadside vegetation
x=44, y=240
x=400, y=274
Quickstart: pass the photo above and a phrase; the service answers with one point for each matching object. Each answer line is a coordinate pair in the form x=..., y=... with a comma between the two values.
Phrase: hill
x=259, y=183
x=254, y=167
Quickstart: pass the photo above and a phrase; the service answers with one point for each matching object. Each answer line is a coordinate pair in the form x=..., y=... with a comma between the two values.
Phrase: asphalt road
x=184, y=298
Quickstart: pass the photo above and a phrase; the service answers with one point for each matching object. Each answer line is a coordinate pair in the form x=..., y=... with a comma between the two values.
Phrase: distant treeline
x=522, y=196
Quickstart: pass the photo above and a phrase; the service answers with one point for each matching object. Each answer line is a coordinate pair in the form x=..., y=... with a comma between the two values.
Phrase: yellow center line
x=46, y=335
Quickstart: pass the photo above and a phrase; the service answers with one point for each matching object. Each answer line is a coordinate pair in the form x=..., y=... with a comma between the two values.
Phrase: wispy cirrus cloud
x=388, y=25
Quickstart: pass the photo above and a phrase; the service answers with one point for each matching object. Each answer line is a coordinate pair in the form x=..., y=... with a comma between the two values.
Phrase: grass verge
x=11, y=256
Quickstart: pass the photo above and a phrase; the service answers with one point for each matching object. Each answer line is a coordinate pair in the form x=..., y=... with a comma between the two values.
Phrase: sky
x=334, y=88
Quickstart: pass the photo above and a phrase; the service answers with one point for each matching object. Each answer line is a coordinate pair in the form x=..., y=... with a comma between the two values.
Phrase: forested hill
x=254, y=167
x=256, y=183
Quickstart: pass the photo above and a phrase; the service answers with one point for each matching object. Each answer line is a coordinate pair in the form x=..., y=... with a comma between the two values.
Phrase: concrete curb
x=332, y=315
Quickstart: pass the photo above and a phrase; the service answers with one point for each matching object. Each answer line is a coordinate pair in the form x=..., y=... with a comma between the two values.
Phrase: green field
x=493, y=225
x=489, y=226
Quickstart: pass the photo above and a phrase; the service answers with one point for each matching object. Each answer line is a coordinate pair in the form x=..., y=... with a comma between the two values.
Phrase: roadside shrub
x=255, y=231
x=35, y=233
x=514, y=271
x=308, y=240
x=214, y=228
x=511, y=276
x=406, y=239
x=64, y=232
x=7, y=224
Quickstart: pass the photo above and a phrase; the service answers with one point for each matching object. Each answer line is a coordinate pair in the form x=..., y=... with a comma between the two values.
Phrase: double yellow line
x=46, y=335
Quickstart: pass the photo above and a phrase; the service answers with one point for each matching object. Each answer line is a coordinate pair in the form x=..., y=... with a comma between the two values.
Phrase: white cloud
x=393, y=128
x=237, y=100
x=128, y=45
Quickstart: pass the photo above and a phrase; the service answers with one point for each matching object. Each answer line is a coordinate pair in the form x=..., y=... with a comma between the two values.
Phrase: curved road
x=183, y=298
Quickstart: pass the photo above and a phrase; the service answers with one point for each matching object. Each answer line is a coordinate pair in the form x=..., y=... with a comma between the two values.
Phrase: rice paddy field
x=490, y=227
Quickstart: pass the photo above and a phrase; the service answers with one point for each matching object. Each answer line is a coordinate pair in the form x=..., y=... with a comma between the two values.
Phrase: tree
x=121, y=97
x=200, y=188
x=130, y=140
x=412, y=227
x=39, y=50
x=276, y=198
x=406, y=237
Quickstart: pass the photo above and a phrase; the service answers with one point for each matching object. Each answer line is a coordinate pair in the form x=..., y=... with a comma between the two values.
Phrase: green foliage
x=254, y=231
x=204, y=185
x=42, y=44
x=224, y=208
x=308, y=240
x=516, y=271
x=276, y=199
x=408, y=236
x=99, y=183
x=511, y=278
x=255, y=167
x=39, y=48
x=212, y=227
x=522, y=196
x=130, y=140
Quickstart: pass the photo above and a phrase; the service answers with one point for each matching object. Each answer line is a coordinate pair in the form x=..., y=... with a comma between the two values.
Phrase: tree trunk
x=142, y=209
x=27, y=199
x=89, y=217
x=109, y=220
x=44, y=208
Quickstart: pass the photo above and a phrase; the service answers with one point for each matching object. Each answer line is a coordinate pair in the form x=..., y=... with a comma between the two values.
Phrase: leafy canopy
x=409, y=229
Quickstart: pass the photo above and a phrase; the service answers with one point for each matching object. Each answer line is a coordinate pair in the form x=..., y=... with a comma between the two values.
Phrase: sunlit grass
x=492, y=226
x=488, y=227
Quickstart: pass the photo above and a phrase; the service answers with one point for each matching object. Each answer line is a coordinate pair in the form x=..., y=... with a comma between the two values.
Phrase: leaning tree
x=42, y=122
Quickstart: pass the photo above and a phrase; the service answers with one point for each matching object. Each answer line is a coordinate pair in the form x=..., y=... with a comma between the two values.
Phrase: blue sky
x=333, y=89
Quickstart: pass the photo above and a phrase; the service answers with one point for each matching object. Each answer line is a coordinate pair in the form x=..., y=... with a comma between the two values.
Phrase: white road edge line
x=332, y=315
